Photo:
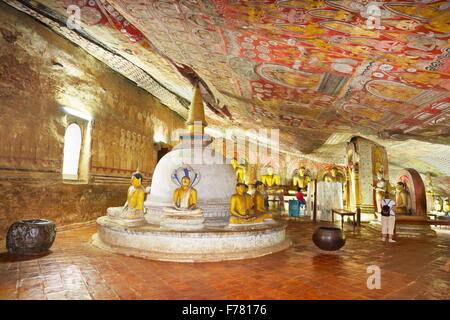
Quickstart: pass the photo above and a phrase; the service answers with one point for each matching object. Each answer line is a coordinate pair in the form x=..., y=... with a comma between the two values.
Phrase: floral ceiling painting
x=311, y=68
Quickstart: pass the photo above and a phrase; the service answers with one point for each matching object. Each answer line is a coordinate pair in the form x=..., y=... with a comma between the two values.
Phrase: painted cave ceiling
x=313, y=69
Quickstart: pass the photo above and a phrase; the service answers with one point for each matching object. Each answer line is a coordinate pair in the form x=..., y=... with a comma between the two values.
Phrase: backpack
x=386, y=210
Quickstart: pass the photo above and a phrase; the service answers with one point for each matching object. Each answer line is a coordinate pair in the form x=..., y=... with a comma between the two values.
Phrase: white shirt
x=390, y=203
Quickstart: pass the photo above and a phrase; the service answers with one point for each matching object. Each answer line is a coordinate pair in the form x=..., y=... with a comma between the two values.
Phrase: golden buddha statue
x=239, y=170
x=241, y=205
x=428, y=184
x=134, y=206
x=333, y=176
x=270, y=180
x=185, y=197
x=401, y=199
x=301, y=179
x=259, y=198
x=437, y=205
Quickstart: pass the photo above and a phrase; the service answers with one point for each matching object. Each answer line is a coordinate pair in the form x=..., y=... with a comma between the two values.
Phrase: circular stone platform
x=207, y=245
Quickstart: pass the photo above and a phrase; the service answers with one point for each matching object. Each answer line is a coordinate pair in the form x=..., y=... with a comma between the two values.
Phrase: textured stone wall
x=39, y=73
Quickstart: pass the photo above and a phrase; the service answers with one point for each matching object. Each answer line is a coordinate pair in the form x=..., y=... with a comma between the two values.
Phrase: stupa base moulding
x=207, y=245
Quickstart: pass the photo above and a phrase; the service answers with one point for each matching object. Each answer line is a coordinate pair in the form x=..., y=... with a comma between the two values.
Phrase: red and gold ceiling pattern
x=310, y=68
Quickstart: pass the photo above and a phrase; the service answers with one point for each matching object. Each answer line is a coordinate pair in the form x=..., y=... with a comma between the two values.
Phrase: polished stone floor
x=412, y=268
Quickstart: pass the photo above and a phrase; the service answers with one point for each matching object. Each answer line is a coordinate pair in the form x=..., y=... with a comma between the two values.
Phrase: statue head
x=270, y=171
x=400, y=186
x=302, y=171
x=334, y=172
x=240, y=188
x=380, y=175
x=185, y=181
x=259, y=186
x=136, y=179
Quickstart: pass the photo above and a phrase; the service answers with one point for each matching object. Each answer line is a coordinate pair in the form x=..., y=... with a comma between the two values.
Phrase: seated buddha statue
x=301, y=179
x=333, y=176
x=401, y=199
x=185, y=197
x=241, y=205
x=437, y=205
x=134, y=206
x=446, y=207
x=259, y=197
x=270, y=180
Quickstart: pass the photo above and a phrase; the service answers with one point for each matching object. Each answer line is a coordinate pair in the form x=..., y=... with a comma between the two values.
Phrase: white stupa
x=191, y=238
x=217, y=179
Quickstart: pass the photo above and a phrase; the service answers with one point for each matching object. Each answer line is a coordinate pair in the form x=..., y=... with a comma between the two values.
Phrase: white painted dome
x=217, y=178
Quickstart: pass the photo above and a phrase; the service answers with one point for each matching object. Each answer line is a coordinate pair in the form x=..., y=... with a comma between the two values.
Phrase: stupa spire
x=196, y=124
x=196, y=121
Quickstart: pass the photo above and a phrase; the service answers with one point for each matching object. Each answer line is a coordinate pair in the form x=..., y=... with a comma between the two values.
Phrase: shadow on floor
x=8, y=257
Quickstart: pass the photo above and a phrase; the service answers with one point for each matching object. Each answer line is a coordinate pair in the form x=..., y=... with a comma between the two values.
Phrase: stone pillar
x=365, y=157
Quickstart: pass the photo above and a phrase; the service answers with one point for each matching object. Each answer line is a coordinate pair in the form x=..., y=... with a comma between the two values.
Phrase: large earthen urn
x=29, y=237
x=329, y=238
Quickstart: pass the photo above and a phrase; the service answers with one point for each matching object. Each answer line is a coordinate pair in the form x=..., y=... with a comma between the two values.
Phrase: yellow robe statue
x=241, y=204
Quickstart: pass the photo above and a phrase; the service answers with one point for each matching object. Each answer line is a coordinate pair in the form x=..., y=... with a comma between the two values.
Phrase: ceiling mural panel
x=310, y=68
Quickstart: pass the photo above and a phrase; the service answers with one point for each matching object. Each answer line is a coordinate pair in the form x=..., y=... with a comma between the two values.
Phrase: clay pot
x=28, y=237
x=329, y=238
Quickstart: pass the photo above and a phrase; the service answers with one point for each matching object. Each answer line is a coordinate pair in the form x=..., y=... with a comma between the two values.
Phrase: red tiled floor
x=413, y=268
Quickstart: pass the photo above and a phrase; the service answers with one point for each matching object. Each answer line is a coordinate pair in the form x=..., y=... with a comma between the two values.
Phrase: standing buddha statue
x=239, y=171
x=380, y=189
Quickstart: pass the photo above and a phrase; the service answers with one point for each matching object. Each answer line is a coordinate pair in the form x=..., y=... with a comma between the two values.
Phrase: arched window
x=72, y=148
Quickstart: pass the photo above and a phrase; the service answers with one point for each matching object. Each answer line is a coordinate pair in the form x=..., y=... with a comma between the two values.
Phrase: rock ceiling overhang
x=309, y=68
